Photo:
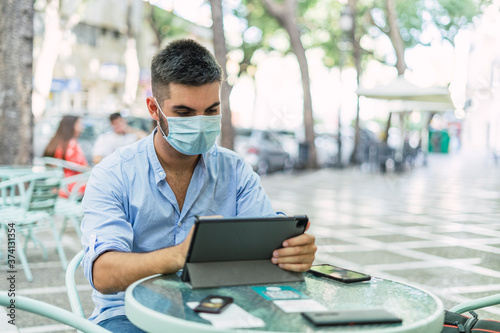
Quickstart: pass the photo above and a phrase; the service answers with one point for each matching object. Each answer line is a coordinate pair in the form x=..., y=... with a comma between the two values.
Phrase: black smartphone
x=339, y=274
x=352, y=317
x=214, y=304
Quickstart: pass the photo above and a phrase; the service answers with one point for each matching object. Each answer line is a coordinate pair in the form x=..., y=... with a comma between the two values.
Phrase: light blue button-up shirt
x=129, y=206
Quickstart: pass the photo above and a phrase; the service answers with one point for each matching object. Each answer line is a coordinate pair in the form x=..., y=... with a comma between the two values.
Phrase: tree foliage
x=416, y=17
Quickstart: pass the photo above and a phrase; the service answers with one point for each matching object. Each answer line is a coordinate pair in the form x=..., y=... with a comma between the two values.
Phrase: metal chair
x=70, y=206
x=63, y=164
x=476, y=304
x=50, y=311
x=39, y=192
x=74, y=298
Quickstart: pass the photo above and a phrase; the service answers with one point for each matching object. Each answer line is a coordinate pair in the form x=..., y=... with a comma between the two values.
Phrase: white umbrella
x=400, y=89
x=413, y=97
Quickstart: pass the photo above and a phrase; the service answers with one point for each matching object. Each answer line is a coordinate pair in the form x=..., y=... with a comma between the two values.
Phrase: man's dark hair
x=183, y=61
x=114, y=116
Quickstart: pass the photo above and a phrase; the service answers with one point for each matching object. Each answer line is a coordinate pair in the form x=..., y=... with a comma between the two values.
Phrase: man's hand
x=297, y=253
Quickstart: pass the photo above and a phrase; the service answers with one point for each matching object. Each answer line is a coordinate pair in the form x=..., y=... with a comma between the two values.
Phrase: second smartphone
x=339, y=274
x=214, y=304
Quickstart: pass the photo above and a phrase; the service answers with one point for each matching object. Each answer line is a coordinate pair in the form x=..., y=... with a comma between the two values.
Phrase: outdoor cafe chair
x=455, y=321
x=39, y=192
x=50, y=311
x=63, y=164
x=70, y=207
x=71, y=290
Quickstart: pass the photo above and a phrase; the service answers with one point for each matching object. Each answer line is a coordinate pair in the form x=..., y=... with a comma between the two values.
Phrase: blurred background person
x=64, y=146
x=121, y=135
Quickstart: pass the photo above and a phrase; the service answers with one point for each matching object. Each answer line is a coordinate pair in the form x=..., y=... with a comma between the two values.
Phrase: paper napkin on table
x=232, y=317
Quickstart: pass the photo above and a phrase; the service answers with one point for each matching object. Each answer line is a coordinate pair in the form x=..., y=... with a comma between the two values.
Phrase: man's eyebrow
x=183, y=107
x=216, y=104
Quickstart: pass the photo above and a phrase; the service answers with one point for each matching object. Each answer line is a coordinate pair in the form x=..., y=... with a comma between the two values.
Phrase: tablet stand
x=235, y=273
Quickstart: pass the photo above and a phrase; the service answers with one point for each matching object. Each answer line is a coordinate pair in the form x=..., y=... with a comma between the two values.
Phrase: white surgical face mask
x=191, y=135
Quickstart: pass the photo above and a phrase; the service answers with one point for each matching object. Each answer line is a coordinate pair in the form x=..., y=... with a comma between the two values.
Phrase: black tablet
x=240, y=239
x=229, y=239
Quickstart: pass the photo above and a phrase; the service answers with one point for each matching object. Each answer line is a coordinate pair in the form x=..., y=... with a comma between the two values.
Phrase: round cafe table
x=158, y=304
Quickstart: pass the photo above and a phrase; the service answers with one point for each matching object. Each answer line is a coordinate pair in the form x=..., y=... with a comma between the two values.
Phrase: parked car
x=93, y=126
x=262, y=149
x=327, y=148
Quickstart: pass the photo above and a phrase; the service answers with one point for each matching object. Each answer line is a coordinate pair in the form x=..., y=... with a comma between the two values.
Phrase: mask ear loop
x=158, y=122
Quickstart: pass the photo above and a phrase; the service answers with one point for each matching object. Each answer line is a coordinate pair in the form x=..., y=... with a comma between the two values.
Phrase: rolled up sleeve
x=104, y=226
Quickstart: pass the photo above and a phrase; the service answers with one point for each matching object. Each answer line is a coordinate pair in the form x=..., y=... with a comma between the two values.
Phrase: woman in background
x=64, y=145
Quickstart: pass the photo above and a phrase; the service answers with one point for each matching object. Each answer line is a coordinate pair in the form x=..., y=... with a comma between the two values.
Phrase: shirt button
x=162, y=174
x=179, y=224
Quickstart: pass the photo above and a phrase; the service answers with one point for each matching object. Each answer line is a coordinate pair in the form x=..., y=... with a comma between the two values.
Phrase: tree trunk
x=227, y=135
x=356, y=52
x=286, y=14
x=395, y=37
x=16, y=62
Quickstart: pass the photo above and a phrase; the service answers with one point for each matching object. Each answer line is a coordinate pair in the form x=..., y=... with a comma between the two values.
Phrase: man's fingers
x=305, y=258
x=295, y=250
x=302, y=239
x=303, y=267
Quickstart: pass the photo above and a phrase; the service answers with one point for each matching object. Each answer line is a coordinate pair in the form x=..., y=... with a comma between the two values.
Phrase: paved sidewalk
x=437, y=227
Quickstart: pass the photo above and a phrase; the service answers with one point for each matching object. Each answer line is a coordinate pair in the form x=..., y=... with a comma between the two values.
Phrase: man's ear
x=153, y=108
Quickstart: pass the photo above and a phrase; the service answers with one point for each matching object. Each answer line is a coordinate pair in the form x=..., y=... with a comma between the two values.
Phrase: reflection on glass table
x=164, y=301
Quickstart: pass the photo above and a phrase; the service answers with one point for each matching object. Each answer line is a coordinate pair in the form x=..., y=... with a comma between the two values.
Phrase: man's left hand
x=297, y=254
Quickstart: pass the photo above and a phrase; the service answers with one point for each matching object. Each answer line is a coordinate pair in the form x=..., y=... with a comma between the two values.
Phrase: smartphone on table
x=214, y=304
x=352, y=317
x=339, y=274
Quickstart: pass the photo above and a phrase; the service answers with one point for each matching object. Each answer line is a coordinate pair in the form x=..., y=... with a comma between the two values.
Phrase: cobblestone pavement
x=436, y=227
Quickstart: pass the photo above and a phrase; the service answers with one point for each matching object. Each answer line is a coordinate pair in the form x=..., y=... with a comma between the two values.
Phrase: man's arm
x=96, y=159
x=114, y=271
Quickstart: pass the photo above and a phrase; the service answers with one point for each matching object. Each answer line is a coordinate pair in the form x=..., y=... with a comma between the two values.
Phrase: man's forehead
x=180, y=92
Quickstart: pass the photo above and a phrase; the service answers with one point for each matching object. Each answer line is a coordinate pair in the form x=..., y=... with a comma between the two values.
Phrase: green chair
x=38, y=193
x=455, y=321
x=63, y=164
x=74, y=298
x=476, y=304
x=70, y=208
x=50, y=311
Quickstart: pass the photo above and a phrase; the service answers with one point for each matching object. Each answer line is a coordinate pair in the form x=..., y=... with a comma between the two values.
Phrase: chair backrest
x=74, y=298
x=50, y=311
x=63, y=164
x=43, y=191
x=37, y=190
x=78, y=181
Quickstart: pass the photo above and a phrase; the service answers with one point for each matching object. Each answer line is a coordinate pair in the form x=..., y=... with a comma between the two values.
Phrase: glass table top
x=167, y=294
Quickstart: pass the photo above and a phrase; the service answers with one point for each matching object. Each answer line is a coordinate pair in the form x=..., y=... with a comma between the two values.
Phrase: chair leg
x=60, y=249
x=31, y=236
x=63, y=228
x=24, y=261
x=76, y=225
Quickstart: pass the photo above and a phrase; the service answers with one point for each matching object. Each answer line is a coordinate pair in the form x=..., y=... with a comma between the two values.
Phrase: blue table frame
x=159, y=302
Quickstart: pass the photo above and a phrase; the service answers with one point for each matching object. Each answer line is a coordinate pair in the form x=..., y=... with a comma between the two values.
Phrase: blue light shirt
x=129, y=206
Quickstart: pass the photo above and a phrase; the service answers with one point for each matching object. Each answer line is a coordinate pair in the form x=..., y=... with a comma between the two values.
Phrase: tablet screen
x=230, y=239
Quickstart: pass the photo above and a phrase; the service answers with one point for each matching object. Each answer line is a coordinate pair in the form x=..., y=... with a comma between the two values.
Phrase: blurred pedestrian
x=122, y=135
x=64, y=145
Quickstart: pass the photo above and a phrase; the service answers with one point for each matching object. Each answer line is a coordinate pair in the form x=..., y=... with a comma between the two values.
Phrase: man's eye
x=212, y=111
